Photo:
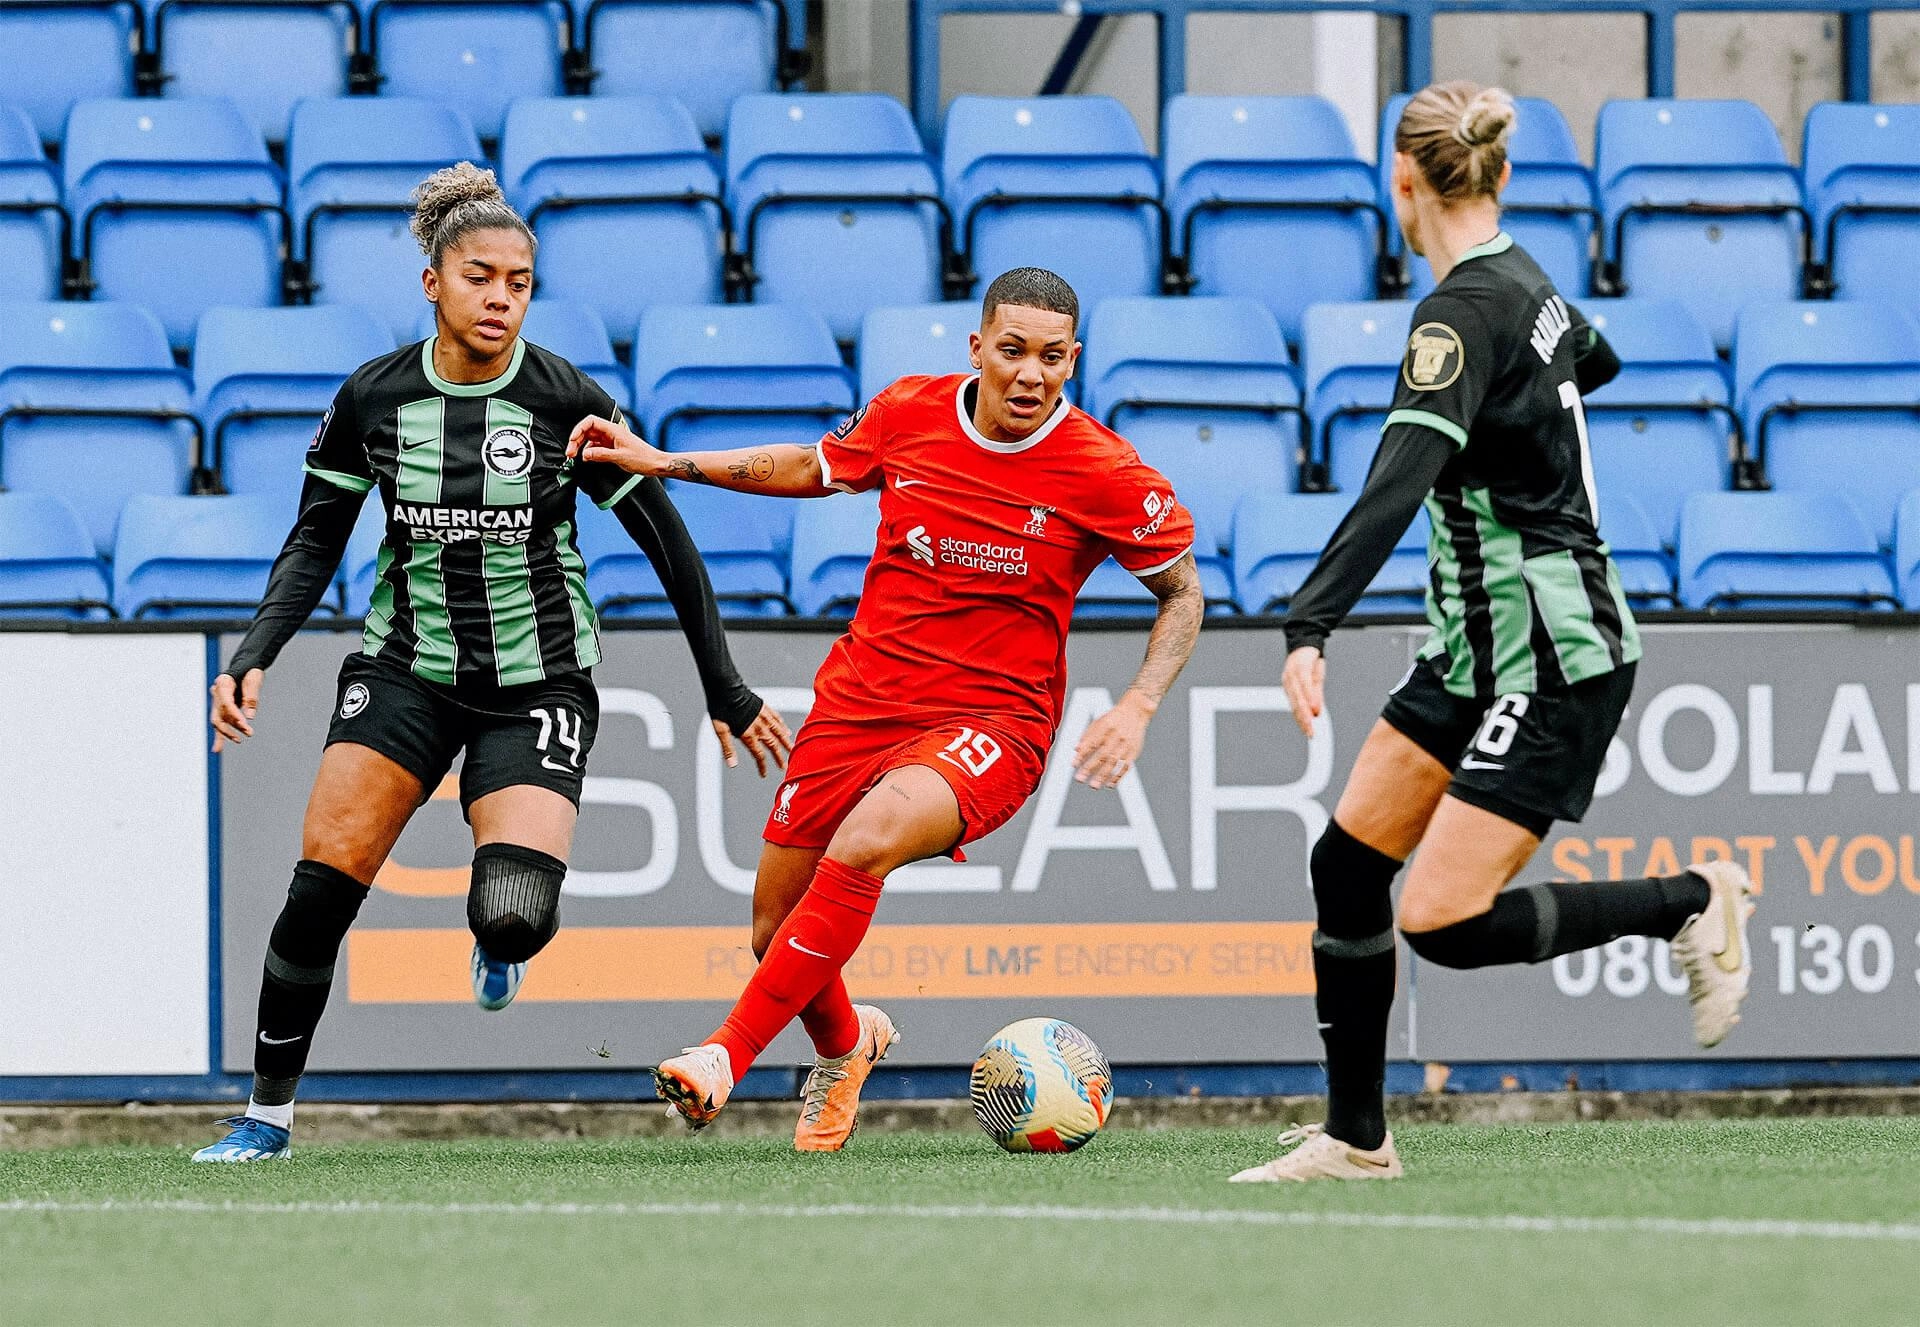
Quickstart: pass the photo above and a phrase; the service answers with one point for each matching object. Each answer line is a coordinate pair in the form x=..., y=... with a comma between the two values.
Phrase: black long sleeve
x=1594, y=362
x=651, y=518
x=302, y=574
x=1409, y=461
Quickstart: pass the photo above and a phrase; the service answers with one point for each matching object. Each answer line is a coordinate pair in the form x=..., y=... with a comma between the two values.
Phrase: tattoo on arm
x=754, y=469
x=682, y=467
x=1182, y=606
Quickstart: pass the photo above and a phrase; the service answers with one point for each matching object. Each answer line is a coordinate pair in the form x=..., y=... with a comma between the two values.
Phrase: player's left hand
x=1112, y=742
x=767, y=738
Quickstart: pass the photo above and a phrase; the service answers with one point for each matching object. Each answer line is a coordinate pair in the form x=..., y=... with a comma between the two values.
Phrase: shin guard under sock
x=1540, y=922
x=321, y=904
x=1354, y=971
x=830, y=1021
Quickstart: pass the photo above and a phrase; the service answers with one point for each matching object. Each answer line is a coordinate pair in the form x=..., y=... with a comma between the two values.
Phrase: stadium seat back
x=195, y=558
x=1294, y=156
x=352, y=165
x=619, y=256
x=576, y=333
x=1352, y=354
x=198, y=152
x=833, y=541
x=475, y=57
x=1639, y=551
x=739, y=540
x=1862, y=169
x=1725, y=155
x=722, y=50
x=30, y=251
x=360, y=567
x=1780, y=550
x=915, y=339
x=265, y=57
x=54, y=55
x=1278, y=537
x=736, y=375
x=48, y=564
x=1111, y=591
x=92, y=357
x=851, y=254
x=262, y=380
x=1906, y=551
x=1086, y=150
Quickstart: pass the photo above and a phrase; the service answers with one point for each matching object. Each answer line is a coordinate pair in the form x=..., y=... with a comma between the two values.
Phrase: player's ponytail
x=1457, y=135
x=451, y=204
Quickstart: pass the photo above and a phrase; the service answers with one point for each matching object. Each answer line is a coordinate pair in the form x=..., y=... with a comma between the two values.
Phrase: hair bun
x=1487, y=118
x=444, y=190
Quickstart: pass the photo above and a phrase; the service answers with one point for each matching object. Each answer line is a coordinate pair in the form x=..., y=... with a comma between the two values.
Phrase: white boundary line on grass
x=1727, y=1227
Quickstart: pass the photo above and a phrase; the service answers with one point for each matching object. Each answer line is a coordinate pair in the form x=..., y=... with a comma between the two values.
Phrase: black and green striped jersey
x=1522, y=594
x=479, y=577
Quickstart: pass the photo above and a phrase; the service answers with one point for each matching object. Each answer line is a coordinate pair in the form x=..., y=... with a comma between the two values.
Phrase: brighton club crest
x=1037, y=527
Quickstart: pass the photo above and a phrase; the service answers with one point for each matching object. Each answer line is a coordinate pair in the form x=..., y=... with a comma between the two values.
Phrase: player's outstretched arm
x=301, y=577
x=1111, y=744
x=782, y=470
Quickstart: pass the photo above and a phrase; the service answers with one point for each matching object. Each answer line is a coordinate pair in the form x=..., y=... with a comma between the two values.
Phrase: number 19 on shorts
x=971, y=751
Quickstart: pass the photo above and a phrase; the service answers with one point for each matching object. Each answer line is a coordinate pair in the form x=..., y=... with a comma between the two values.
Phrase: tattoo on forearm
x=1182, y=607
x=682, y=467
x=754, y=469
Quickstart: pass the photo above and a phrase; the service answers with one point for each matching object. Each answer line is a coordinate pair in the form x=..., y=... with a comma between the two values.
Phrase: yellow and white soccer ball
x=1041, y=1085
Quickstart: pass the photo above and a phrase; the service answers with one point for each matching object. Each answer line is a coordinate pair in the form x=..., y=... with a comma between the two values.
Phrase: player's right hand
x=1305, y=682
x=598, y=439
x=232, y=716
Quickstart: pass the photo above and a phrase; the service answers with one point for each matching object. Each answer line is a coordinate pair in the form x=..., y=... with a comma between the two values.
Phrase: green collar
x=487, y=388
x=1498, y=244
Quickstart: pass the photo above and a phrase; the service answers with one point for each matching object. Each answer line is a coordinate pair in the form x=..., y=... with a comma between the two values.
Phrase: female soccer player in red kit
x=933, y=715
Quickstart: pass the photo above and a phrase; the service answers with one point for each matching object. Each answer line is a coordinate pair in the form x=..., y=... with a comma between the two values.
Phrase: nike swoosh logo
x=1469, y=762
x=265, y=1040
x=408, y=444
x=803, y=949
x=907, y=483
x=1729, y=957
x=546, y=762
x=1362, y=1159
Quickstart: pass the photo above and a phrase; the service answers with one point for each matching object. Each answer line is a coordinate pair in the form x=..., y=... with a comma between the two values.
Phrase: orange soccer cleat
x=695, y=1083
x=831, y=1099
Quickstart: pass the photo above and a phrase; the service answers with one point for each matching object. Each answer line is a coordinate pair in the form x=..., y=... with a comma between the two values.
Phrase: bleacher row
x=102, y=437
x=832, y=201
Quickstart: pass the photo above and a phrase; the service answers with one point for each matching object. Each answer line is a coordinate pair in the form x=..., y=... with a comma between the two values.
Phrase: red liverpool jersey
x=981, y=549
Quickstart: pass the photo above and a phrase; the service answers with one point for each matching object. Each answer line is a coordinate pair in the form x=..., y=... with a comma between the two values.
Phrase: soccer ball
x=1041, y=1085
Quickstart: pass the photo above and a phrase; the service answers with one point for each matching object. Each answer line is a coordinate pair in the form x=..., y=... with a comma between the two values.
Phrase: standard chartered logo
x=967, y=554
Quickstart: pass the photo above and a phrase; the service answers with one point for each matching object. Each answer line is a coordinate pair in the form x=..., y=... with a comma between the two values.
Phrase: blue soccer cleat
x=495, y=983
x=250, y=1140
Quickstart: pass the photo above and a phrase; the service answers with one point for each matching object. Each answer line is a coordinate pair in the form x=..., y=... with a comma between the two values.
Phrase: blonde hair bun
x=1457, y=135
x=456, y=201
x=1487, y=118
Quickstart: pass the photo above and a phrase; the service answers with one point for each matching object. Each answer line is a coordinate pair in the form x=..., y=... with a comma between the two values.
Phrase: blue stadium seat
x=265, y=57
x=1830, y=393
x=1906, y=551
x=575, y=333
x=873, y=233
x=1862, y=169
x=1547, y=208
x=52, y=55
x=736, y=376
x=1278, y=537
x=1639, y=551
x=721, y=50
x=31, y=248
x=48, y=564
x=624, y=198
x=1113, y=591
x=361, y=564
x=92, y=409
x=352, y=165
x=1064, y=183
x=1267, y=198
x=175, y=205
x=195, y=558
x=1352, y=354
x=1664, y=428
x=1700, y=205
x=833, y=540
x=1780, y=551
x=918, y=339
x=1204, y=389
x=745, y=561
x=476, y=57
x=262, y=380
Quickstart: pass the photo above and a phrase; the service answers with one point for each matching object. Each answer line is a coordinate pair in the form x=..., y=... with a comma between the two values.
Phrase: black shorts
x=1529, y=758
x=537, y=734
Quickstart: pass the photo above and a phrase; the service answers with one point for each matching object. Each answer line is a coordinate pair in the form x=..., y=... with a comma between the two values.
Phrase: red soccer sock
x=831, y=1022
x=808, y=951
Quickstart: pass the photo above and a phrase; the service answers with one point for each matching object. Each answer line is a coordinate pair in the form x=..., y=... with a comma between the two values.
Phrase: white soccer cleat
x=1712, y=949
x=1321, y=1156
x=696, y=1083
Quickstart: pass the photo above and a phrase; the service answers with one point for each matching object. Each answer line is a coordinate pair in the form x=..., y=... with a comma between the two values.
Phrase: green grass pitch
x=1747, y=1222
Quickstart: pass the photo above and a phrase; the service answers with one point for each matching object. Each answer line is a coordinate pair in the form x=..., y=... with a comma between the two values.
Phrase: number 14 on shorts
x=972, y=751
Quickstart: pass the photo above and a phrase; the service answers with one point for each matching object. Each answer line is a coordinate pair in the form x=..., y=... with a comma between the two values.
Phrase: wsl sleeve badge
x=1041, y=1085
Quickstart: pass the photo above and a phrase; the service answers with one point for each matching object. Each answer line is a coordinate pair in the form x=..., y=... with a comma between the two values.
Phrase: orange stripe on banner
x=630, y=963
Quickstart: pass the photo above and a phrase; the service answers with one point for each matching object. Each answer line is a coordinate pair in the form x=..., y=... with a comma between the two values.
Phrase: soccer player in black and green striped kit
x=1502, y=724
x=480, y=634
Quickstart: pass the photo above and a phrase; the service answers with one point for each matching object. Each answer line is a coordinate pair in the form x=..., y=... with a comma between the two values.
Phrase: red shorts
x=836, y=762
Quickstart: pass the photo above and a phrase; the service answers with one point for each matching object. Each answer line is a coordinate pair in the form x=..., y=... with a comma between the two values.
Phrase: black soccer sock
x=321, y=904
x=1354, y=970
x=1540, y=922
